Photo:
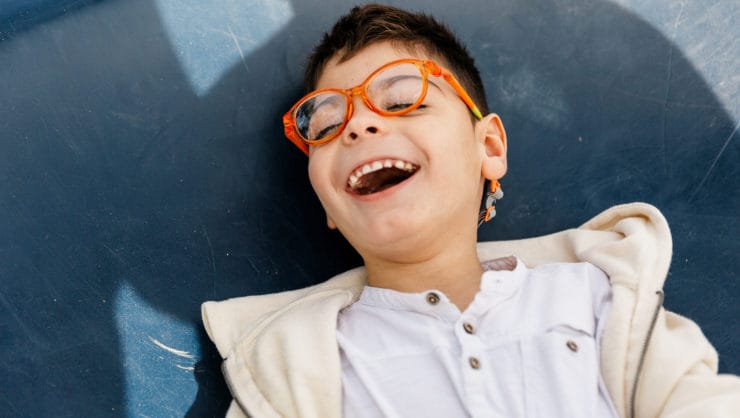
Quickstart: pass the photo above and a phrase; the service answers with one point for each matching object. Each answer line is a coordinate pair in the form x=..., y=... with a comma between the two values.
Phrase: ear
x=330, y=223
x=492, y=139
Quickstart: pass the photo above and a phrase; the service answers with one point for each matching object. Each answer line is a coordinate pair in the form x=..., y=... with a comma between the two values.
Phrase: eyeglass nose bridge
x=351, y=93
x=356, y=90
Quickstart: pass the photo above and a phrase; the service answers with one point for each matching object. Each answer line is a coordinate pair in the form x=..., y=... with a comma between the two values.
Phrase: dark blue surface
x=143, y=171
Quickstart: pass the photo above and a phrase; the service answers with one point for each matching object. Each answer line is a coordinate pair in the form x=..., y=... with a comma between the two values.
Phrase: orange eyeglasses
x=394, y=89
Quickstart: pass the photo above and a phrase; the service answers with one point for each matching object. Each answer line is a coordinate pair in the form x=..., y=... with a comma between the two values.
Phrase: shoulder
x=568, y=287
x=630, y=242
x=227, y=321
x=578, y=274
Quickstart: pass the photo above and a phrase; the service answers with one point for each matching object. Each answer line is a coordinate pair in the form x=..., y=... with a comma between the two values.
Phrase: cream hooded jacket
x=282, y=360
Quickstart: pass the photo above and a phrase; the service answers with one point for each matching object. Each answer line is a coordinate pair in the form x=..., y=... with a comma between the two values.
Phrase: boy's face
x=447, y=154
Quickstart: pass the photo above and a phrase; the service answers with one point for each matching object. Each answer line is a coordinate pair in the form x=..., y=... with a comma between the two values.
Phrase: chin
x=390, y=238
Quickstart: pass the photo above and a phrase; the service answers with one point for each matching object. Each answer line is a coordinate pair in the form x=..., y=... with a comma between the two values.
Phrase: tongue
x=380, y=180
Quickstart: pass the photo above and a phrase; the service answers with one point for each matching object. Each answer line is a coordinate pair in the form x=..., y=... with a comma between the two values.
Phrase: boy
x=400, y=145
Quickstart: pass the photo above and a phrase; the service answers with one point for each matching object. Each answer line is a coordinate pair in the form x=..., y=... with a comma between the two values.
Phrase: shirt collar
x=497, y=282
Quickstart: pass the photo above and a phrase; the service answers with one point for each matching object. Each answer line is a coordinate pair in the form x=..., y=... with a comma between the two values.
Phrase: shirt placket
x=477, y=370
x=472, y=362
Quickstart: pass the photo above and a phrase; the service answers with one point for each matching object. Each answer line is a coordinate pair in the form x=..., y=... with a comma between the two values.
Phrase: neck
x=456, y=271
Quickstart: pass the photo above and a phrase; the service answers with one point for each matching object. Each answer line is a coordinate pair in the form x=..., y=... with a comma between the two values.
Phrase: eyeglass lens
x=392, y=91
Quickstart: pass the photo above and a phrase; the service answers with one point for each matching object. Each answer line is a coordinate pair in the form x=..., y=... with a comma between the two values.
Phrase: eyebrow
x=391, y=80
x=329, y=100
x=435, y=85
x=387, y=81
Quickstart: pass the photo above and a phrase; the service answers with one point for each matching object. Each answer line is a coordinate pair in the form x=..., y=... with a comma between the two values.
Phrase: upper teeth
x=355, y=177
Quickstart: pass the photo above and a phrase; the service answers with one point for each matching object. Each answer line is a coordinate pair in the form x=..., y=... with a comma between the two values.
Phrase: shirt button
x=468, y=327
x=474, y=363
x=432, y=298
x=572, y=346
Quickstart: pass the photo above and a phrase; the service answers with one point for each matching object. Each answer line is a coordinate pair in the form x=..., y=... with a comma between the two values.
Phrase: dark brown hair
x=372, y=23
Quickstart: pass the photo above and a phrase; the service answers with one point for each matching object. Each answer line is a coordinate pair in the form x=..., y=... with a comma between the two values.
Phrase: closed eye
x=401, y=106
x=326, y=131
x=397, y=107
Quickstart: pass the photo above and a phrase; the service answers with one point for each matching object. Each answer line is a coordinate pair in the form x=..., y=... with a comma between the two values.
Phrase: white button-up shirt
x=527, y=346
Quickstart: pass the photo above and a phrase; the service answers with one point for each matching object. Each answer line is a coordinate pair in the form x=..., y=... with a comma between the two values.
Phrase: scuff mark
x=714, y=163
x=153, y=343
x=210, y=249
x=212, y=257
x=251, y=264
x=186, y=368
x=174, y=351
x=30, y=333
x=116, y=255
x=669, y=79
x=238, y=48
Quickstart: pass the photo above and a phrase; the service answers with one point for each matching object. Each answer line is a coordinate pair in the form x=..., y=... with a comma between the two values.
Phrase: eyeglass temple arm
x=437, y=71
x=290, y=128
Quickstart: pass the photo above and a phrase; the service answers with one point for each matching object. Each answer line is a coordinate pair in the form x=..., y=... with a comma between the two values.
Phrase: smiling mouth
x=379, y=175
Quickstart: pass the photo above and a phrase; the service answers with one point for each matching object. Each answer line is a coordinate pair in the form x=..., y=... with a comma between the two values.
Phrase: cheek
x=314, y=174
x=319, y=173
x=456, y=139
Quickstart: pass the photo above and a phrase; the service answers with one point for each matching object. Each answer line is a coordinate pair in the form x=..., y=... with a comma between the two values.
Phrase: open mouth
x=379, y=175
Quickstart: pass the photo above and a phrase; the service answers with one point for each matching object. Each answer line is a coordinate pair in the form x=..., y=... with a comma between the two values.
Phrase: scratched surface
x=143, y=171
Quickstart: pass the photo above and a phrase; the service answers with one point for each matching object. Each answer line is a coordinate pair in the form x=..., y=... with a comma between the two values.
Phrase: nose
x=363, y=123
